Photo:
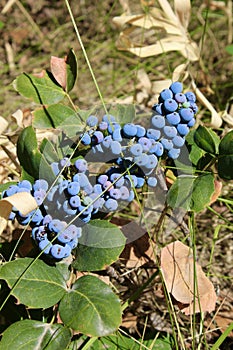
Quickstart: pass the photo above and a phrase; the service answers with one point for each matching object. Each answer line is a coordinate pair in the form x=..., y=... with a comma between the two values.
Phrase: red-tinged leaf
x=181, y=273
x=58, y=69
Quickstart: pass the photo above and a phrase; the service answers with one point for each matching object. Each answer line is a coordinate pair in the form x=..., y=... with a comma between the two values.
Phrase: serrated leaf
x=31, y=335
x=100, y=245
x=206, y=139
x=36, y=284
x=91, y=307
x=41, y=89
x=225, y=160
x=30, y=157
x=58, y=116
x=191, y=193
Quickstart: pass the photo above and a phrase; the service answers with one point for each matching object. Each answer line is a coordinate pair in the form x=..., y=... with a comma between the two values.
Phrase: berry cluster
x=133, y=151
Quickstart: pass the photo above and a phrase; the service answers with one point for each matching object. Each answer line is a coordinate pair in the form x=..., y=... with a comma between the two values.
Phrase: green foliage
x=100, y=245
x=28, y=334
x=206, y=139
x=191, y=192
x=34, y=283
x=225, y=158
x=83, y=308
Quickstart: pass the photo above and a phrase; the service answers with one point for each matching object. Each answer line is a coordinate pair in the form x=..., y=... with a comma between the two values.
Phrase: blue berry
x=153, y=134
x=190, y=96
x=152, y=181
x=60, y=252
x=102, y=179
x=40, y=185
x=107, y=141
x=186, y=114
x=145, y=143
x=141, y=131
x=39, y=196
x=115, y=147
x=56, y=225
x=55, y=168
x=136, y=149
x=130, y=130
x=73, y=243
x=116, y=135
x=140, y=182
x=158, y=149
x=68, y=209
x=111, y=204
x=73, y=188
x=158, y=121
x=113, y=126
x=115, y=193
x=152, y=162
x=124, y=193
x=37, y=217
x=173, y=118
x=103, y=126
x=180, y=98
x=27, y=184
x=11, y=190
x=167, y=144
x=75, y=201
x=65, y=162
x=178, y=141
x=85, y=139
x=119, y=182
x=92, y=120
x=165, y=94
x=183, y=129
x=170, y=105
x=174, y=153
x=158, y=108
x=131, y=196
x=45, y=245
x=97, y=137
x=141, y=160
x=170, y=131
x=82, y=179
x=176, y=87
x=108, y=118
x=194, y=107
x=191, y=123
x=132, y=180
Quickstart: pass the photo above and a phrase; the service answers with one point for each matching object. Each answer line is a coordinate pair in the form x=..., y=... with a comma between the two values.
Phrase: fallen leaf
x=3, y=124
x=22, y=201
x=178, y=268
x=217, y=191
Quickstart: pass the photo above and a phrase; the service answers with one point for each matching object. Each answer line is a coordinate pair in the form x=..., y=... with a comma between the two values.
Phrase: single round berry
x=191, y=123
x=167, y=144
x=178, y=141
x=136, y=149
x=111, y=204
x=141, y=160
x=153, y=134
x=158, y=149
x=115, y=193
x=27, y=184
x=180, y=98
x=39, y=185
x=55, y=168
x=92, y=120
x=103, y=126
x=152, y=162
x=190, y=96
x=73, y=188
x=183, y=129
x=145, y=143
x=45, y=245
x=65, y=162
x=115, y=147
x=152, y=181
x=173, y=118
x=170, y=131
x=124, y=193
x=74, y=201
x=97, y=137
x=141, y=131
x=165, y=94
x=130, y=130
x=174, y=153
x=186, y=114
x=113, y=126
x=116, y=135
x=170, y=105
x=176, y=87
x=158, y=108
x=158, y=121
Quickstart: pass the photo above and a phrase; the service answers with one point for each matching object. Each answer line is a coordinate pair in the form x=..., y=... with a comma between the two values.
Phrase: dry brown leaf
x=58, y=69
x=183, y=10
x=23, y=201
x=177, y=265
x=217, y=191
x=3, y=124
x=18, y=116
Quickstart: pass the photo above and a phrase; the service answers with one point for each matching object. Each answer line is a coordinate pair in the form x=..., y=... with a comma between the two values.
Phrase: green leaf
x=30, y=157
x=225, y=160
x=100, y=245
x=58, y=116
x=31, y=335
x=71, y=70
x=229, y=49
x=195, y=152
x=91, y=307
x=48, y=150
x=121, y=342
x=206, y=139
x=191, y=193
x=37, y=284
x=123, y=113
x=41, y=89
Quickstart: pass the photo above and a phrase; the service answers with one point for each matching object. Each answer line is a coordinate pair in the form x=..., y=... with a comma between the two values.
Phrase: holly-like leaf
x=58, y=116
x=31, y=335
x=91, y=307
x=206, y=139
x=34, y=283
x=41, y=88
x=191, y=192
x=225, y=160
x=100, y=245
x=31, y=158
